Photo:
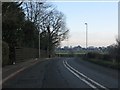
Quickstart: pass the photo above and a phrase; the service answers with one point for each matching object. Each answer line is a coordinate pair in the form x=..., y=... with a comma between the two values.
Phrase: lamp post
x=86, y=35
x=39, y=44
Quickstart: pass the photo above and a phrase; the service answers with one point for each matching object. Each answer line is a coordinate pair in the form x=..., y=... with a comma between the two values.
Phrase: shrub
x=93, y=55
x=5, y=53
x=107, y=57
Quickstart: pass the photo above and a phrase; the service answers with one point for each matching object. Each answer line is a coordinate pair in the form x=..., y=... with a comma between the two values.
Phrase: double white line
x=93, y=84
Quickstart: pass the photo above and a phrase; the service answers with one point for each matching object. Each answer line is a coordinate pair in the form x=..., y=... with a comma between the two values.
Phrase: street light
x=86, y=35
x=39, y=44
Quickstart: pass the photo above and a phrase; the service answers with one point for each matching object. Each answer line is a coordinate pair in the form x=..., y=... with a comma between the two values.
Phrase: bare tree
x=56, y=30
x=50, y=22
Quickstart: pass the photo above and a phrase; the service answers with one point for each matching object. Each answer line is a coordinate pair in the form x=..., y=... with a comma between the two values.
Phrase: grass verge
x=104, y=63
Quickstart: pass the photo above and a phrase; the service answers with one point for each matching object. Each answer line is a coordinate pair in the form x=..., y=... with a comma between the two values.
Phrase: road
x=65, y=73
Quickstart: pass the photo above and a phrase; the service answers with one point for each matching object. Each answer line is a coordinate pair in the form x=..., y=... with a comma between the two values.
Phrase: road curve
x=65, y=73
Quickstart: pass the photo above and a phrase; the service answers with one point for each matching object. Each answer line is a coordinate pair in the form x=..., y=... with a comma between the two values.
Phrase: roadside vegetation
x=22, y=22
x=110, y=58
x=106, y=60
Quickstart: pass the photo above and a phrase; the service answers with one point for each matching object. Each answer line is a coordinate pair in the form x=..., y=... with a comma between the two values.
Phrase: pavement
x=11, y=70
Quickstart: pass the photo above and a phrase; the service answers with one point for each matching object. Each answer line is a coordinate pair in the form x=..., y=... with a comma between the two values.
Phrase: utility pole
x=86, y=35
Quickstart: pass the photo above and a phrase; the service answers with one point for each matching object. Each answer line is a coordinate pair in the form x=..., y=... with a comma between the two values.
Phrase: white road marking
x=80, y=77
x=96, y=83
x=15, y=73
x=87, y=77
x=10, y=76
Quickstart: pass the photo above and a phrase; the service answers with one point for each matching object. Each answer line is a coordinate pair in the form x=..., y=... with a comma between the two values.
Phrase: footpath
x=11, y=70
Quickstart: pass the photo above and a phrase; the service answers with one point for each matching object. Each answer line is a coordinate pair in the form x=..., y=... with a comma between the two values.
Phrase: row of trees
x=22, y=22
x=112, y=55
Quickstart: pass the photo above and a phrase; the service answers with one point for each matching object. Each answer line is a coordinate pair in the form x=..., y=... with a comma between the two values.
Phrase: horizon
x=84, y=47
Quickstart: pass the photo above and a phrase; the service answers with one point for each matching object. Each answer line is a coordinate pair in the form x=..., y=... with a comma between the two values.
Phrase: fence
x=22, y=53
x=25, y=53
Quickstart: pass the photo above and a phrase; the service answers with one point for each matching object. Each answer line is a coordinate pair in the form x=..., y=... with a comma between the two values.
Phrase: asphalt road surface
x=65, y=73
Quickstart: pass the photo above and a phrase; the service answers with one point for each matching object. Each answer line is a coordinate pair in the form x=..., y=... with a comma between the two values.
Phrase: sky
x=101, y=17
